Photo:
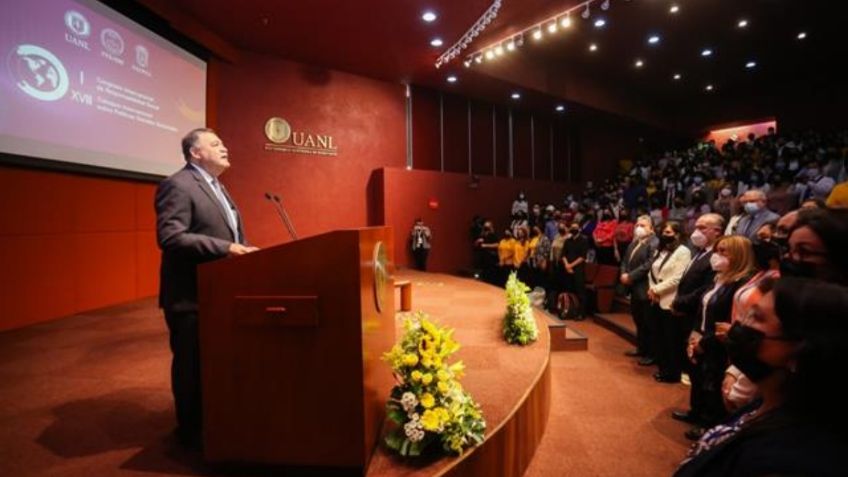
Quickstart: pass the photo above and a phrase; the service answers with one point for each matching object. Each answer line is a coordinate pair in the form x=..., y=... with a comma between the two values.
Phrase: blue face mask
x=752, y=208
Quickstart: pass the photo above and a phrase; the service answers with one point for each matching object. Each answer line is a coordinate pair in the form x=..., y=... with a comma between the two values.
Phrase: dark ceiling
x=387, y=39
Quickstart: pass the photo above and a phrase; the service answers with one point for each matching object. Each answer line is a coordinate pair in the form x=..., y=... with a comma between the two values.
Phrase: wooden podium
x=290, y=340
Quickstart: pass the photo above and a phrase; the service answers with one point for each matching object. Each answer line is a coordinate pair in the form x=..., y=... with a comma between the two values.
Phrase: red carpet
x=88, y=395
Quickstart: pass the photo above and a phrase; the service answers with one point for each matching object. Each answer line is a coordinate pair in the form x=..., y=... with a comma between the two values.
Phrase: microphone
x=281, y=211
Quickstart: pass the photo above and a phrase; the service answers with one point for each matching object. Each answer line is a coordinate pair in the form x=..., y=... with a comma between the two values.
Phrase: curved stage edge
x=512, y=384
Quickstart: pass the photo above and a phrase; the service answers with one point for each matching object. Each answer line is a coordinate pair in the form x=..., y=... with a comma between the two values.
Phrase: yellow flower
x=427, y=378
x=444, y=387
x=427, y=400
x=416, y=375
x=430, y=420
x=410, y=359
x=443, y=375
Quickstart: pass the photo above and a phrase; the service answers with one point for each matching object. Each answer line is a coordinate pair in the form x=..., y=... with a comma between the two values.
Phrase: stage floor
x=89, y=395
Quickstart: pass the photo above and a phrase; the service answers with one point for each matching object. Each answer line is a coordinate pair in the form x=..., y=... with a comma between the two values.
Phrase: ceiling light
x=605, y=5
x=452, y=79
x=802, y=35
x=742, y=23
x=436, y=42
x=654, y=39
x=565, y=22
x=674, y=9
x=429, y=17
x=639, y=63
x=600, y=22
x=510, y=45
x=537, y=35
x=499, y=50
x=490, y=55
x=552, y=28
x=516, y=96
x=586, y=13
x=707, y=52
x=560, y=108
x=751, y=64
x=709, y=87
x=478, y=59
x=677, y=76
x=467, y=63
x=593, y=47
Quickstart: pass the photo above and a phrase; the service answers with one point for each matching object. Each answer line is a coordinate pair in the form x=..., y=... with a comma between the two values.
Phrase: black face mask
x=782, y=243
x=575, y=232
x=666, y=240
x=764, y=253
x=742, y=343
x=791, y=268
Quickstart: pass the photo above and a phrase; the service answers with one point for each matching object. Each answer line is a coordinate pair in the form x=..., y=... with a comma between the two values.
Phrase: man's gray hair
x=190, y=139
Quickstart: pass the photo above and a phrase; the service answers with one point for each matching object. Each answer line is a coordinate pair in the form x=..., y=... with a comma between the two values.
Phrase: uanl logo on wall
x=284, y=139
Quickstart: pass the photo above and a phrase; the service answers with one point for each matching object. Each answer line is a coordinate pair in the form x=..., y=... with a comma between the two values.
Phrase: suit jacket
x=636, y=262
x=665, y=274
x=749, y=224
x=191, y=228
x=698, y=279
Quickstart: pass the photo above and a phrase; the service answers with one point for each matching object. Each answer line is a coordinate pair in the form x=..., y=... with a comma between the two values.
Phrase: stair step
x=563, y=337
x=619, y=323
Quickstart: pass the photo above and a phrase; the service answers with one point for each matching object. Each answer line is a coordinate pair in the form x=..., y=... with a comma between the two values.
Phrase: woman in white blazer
x=669, y=265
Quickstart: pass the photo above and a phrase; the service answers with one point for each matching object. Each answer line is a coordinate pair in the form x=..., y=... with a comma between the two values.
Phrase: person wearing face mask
x=816, y=247
x=790, y=343
x=756, y=214
x=520, y=205
x=635, y=263
x=733, y=264
x=487, y=244
x=667, y=268
x=723, y=205
x=573, y=260
x=557, y=268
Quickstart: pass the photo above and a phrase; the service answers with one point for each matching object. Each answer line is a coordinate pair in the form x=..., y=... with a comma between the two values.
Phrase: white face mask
x=698, y=239
x=719, y=263
x=640, y=232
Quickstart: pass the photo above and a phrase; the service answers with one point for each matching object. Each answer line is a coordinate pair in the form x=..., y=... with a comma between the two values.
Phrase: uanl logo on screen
x=79, y=29
x=284, y=139
x=38, y=72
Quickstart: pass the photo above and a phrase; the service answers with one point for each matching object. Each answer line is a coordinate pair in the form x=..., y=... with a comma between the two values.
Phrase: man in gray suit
x=756, y=214
x=196, y=222
x=635, y=264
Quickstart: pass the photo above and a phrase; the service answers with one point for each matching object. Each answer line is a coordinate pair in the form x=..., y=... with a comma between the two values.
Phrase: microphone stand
x=281, y=211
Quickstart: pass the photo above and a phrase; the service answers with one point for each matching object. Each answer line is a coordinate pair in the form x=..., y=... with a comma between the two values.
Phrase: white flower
x=408, y=401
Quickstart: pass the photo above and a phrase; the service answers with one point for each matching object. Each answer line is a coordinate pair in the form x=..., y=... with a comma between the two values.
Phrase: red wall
x=407, y=195
x=365, y=117
x=70, y=243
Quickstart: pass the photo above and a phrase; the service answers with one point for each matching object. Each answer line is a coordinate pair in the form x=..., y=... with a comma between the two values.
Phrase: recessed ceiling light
x=654, y=39
x=677, y=76
x=537, y=35
x=593, y=47
x=429, y=16
x=639, y=63
x=709, y=87
x=552, y=28
x=515, y=96
x=600, y=22
x=565, y=22
x=436, y=42
x=674, y=9
x=802, y=35
x=707, y=52
x=751, y=64
x=452, y=79
x=560, y=108
x=742, y=23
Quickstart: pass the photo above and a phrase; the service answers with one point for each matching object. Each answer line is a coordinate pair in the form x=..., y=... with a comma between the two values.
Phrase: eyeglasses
x=802, y=254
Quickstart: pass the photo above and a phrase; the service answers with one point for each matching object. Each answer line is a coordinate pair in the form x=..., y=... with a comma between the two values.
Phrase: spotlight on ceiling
x=429, y=16
x=654, y=39
x=605, y=5
x=490, y=55
x=515, y=96
x=742, y=23
x=499, y=50
x=593, y=47
x=552, y=28
x=674, y=9
x=565, y=22
x=751, y=64
x=452, y=79
x=709, y=87
x=706, y=52
x=677, y=76
x=639, y=63
x=537, y=35
x=510, y=45
x=478, y=59
x=600, y=22
x=802, y=35
x=586, y=13
x=560, y=108
x=436, y=42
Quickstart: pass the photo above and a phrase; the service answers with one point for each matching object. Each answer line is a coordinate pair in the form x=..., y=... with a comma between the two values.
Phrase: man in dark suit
x=635, y=265
x=196, y=222
x=698, y=279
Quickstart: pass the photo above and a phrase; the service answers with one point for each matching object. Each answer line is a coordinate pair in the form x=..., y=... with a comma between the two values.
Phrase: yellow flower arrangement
x=429, y=404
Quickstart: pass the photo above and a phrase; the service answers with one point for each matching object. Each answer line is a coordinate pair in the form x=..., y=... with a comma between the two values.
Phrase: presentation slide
x=81, y=83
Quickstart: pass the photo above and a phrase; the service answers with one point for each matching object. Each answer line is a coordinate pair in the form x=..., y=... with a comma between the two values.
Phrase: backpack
x=568, y=306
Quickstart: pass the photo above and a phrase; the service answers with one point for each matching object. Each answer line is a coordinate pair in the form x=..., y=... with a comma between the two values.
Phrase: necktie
x=231, y=216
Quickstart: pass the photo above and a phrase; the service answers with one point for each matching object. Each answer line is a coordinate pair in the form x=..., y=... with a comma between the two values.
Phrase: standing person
x=756, y=214
x=604, y=237
x=635, y=264
x=664, y=276
x=574, y=252
x=196, y=221
x=487, y=245
x=420, y=239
